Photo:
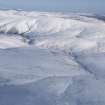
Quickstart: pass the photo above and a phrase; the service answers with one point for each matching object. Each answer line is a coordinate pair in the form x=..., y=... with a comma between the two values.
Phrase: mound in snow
x=51, y=58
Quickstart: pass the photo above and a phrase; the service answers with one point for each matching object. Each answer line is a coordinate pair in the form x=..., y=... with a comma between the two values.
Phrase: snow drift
x=51, y=58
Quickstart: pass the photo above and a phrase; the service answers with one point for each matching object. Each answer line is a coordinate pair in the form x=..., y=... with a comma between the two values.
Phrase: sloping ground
x=51, y=59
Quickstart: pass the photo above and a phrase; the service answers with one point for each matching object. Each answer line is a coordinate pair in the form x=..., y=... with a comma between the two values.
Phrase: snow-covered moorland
x=51, y=58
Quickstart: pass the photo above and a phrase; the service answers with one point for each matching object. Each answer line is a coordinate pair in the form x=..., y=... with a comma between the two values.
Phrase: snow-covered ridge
x=51, y=58
x=39, y=28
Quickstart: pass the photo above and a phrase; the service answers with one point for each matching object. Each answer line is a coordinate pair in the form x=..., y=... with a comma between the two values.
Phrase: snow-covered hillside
x=51, y=58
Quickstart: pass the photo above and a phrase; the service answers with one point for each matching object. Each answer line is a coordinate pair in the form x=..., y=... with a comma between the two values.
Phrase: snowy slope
x=51, y=58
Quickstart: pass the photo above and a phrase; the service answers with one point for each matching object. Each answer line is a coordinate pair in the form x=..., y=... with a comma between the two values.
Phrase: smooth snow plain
x=51, y=58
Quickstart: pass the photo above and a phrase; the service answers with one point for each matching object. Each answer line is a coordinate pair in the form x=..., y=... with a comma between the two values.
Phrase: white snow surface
x=51, y=58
